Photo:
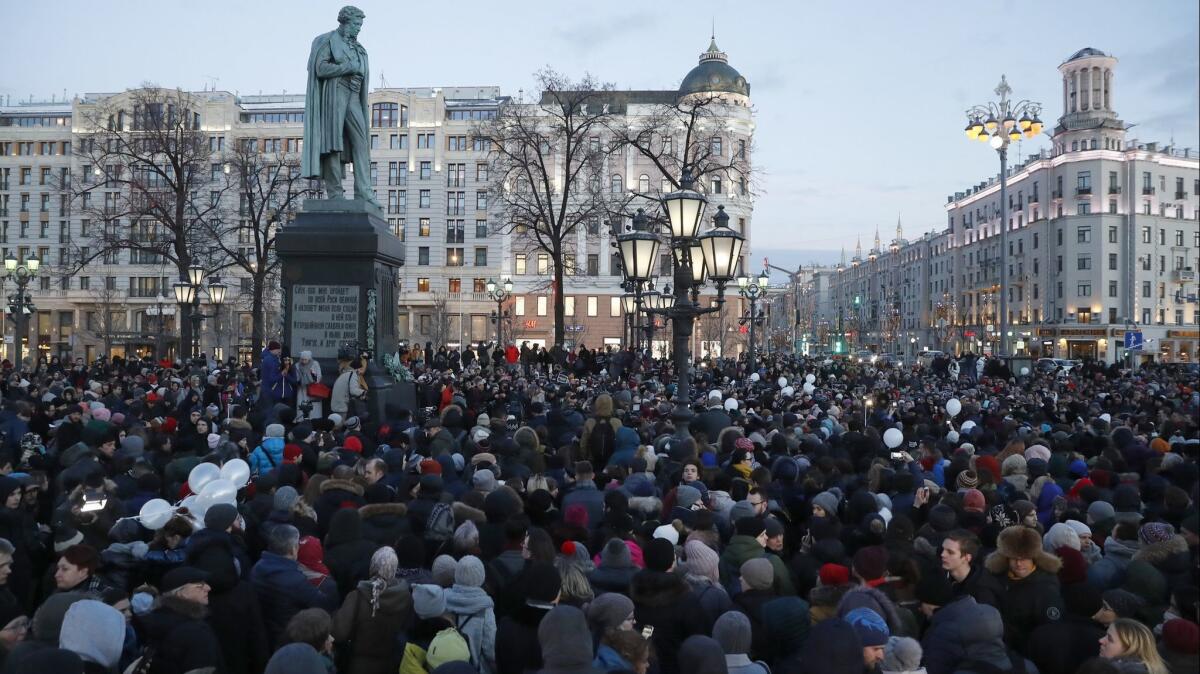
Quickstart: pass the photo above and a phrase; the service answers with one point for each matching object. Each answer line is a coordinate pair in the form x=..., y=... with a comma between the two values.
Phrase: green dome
x=714, y=74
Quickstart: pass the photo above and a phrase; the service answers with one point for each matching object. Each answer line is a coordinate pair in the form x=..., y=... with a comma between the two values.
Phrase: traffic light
x=837, y=347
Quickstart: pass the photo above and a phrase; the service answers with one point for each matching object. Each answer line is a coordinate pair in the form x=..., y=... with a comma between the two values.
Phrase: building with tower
x=1104, y=237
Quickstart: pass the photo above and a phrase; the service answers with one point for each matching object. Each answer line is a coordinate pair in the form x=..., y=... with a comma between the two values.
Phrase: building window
x=481, y=229
x=520, y=264
x=1112, y=261
x=614, y=306
x=454, y=257
x=616, y=185
x=1112, y=288
x=543, y=264
x=593, y=264
x=1083, y=208
x=569, y=306
x=593, y=306
x=423, y=255
x=1084, y=289
x=1083, y=234
x=423, y=227
x=1145, y=289
x=481, y=200
x=1146, y=234
x=423, y=285
x=644, y=183
x=542, y=304
x=716, y=186
x=426, y=170
x=481, y=173
x=423, y=199
x=481, y=256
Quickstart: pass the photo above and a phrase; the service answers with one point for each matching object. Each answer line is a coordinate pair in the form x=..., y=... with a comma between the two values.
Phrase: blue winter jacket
x=260, y=464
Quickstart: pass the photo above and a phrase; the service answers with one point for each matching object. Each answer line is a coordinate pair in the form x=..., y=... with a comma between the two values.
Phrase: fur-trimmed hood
x=182, y=606
x=464, y=512
x=648, y=505
x=1157, y=553
x=1021, y=542
x=345, y=485
x=382, y=509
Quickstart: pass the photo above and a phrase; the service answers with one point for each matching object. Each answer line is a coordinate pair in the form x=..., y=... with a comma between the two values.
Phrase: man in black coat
x=714, y=419
x=518, y=650
x=959, y=550
x=176, y=635
x=233, y=609
x=663, y=601
x=1024, y=577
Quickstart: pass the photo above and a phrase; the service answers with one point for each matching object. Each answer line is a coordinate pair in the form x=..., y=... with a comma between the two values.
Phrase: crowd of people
x=559, y=511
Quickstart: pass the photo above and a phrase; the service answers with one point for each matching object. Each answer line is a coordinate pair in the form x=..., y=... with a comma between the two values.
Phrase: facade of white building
x=1104, y=234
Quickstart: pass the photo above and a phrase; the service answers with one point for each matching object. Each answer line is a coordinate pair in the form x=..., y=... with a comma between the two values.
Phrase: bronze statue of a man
x=336, y=120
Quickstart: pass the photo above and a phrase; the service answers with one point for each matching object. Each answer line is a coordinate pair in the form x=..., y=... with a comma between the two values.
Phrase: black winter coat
x=384, y=523
x=1027, y=604
x=180, y=638
x=665, y=602
x=518, y=650
x=233, y=609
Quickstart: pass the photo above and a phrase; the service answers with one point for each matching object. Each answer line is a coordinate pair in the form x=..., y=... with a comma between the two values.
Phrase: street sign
x=1133, y=341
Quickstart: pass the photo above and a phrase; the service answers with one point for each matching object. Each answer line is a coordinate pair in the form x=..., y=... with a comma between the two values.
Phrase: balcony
x=1056, y=194
x=1081, y=191
x=1115, y=189
x=1181, y=195
x=1148, y=190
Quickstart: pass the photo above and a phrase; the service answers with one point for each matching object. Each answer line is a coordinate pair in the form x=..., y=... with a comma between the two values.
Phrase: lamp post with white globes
x=20, y=305
x=499, y=293
x=697, y=257
x=187, y=295
x=754, y=291
x=999, y=124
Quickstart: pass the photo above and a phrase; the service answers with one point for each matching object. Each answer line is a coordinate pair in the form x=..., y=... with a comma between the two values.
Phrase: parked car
x=925, y=358
x=1052, y=364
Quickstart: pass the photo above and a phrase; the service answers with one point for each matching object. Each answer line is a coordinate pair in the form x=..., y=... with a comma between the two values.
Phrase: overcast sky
x=859, y=105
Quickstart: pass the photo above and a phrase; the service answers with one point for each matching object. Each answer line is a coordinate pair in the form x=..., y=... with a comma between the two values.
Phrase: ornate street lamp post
x=499, y=293
x=20, y=305
x=712, y=255
x=187, y=296
x=753, y=291
x=999, y=124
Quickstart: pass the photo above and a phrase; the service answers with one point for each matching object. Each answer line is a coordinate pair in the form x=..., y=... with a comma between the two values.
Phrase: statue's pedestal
x=340, y=270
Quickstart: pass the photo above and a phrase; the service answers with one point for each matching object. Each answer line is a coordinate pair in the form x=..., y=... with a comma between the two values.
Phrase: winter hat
x=758, y=573
x=1099, y=511
x=484, y=481
x=48, y=619
x=901, y=654
x=1074, y=566
x=615, y=554
x=732, y=632
x=741, y=510
x=1061, y=535
x=702, y=655
x=1155, y=532
x=95, y=631
x=1037, y=452
x=870, y=628
x=1159, y=445
x=833, y=574
x=274, y=431
x=870, y=563
x=827, y=501
x=973, y=500
x=659, y=554
x=667, y=532
x=429, y=601
x=565, y=640
x=443, y=570
x=65, y=537
x=296, y=658
x=967, y=479
x=609, y=610
x=285, y=497
x=942, y=518
x=220, y=517
x=702, y=560
x=429, y=467
x=686, y=496
x=543, y=582
x=1014, y=465
x=1181, y=636
x=1122, y=602
x=935, y=589
x=1080, y=528
x=469, y=572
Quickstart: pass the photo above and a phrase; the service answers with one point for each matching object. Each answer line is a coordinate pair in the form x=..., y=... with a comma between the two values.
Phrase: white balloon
x=220, y=491
x=953, y=407
x=201, y=475
x=753, y=376
x=967, y=426
x=731, y=404
x=782, y=382
x=809, y=388
x=892, y=437
x=236, y=471
x=788, y=391
x=195, y=507
x=1024, y=371
x=810, y=378
x=155, y=513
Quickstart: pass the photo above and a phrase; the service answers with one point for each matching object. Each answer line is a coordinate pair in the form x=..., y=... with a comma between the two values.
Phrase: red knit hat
x=1181, y=636
x=834, y=574
x=990, y=465
x=430, y=467
x=352, y=444
x=292, y=451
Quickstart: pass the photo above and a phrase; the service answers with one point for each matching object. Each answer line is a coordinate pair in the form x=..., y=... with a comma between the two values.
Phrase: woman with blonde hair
x=1129, y=645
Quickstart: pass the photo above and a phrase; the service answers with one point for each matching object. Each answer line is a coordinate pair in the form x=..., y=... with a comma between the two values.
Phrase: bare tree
x=439, y=329
x=146, y=184
x=692, y=136
x=269, y=191
x=547, y=160
x=107, y=301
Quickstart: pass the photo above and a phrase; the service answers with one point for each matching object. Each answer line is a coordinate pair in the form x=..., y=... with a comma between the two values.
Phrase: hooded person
x=615, y=569
x=473, y=612
x=961, y=631
x=732, y=632
x=703, y=575
x=832, y=647
x=1025, y=579
x=1166, y=551
x=347, y=552
x=902, y=655
x=95, y=632
x=702, y=655
x=566, y=643
x=371, y=616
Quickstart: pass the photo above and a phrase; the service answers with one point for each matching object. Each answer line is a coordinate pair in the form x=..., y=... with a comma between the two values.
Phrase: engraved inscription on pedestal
x=324, y=317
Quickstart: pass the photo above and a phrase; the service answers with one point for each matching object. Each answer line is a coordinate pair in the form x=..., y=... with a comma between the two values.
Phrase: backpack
x=602, y=443
x=440, y=525
x=449, y=643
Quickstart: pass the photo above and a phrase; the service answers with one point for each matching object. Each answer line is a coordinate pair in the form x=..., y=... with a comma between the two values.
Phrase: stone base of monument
x=339, y=270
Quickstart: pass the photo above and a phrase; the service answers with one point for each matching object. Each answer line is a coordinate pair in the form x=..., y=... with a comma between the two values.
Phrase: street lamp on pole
x=499, y=293
x=754, y=291
x=697, y=257
x=1001, y=123
x=187, y=295
x=20, y=305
